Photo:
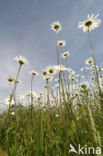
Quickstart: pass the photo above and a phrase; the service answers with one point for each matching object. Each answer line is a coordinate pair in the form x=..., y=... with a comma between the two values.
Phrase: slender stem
x=15, y=84
x=48, y=99
x=31, y=88
x=96, y=72
x=57, y=49
x=10, y=86
x=31, y=96
x=60, y=86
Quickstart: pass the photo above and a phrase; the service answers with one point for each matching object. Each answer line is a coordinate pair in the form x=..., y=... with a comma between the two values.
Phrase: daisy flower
x=21, y=60
x=60, y=68
x=21, y=96
x=51, y=70
x=33, y=73
x=48, y=78
x=93, y=67
x=45, y=86
x=72, y=77
x=65, y=54
x=12, y=113
x=10, y=79
x=44, y=73
x=56, y=26
x=70, y=70
x=61, y=43
x=31, y=93
x=84, y=69
x=100, y=69
x=8, y=101
x=89, y=61
x=90, y=23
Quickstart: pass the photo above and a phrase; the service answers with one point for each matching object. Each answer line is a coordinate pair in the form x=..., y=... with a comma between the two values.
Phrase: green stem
x=15, y=84
x=57, y=49
x=31, y=97
x=96, y=72
x=48, y=99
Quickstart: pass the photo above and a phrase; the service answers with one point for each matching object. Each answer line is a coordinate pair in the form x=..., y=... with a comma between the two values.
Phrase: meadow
x=69, y=113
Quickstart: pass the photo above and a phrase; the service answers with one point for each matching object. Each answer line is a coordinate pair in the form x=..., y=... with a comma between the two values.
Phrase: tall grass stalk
x=96, y=72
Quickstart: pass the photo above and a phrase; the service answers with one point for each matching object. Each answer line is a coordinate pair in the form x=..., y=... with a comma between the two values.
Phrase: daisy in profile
x=10, y=79
x=45, y=86
x=93, y=67
x=72, y=77
x=89, y=61
x=31, y=93
x=56, y=26
x=65, y=54
x=51, y=70
x=84, y=69
x=60, y=68
x=61, y=43
x=21, y=97
x=21, y=60
x=48, y=78
x=90, y=23
x=70, y=70
x=17, y=81
x=33, y=73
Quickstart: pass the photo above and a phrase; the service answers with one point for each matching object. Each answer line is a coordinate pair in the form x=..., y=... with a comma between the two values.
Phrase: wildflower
x=56, y=115
x=60, y=68
x=12, y=113
x=93, y=67
x=65, y=54
x=56, y=26
x=70, y=70
x=48, y=78
x=90, y=23
x=84, y=69
x=72, y=77
x=17, y=81
x=89, y=61
x=21, y=60
x=92, y=72
x=51, y=70
x=10, y=79
x=100, y=69
x=29, y=93
x=61, y=43
x=44, y=73
x=8, y=101
x=33, y=73
x=21, y=97
x=45, y=86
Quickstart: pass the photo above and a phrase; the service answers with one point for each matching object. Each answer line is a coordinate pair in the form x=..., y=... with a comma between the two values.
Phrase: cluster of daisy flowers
x=54, y=71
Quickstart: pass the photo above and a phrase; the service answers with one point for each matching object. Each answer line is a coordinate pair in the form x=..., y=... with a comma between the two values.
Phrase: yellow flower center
x=60, y=69
x=9, y=100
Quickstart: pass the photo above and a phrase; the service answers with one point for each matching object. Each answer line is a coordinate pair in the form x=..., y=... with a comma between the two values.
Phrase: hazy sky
x=25, y=30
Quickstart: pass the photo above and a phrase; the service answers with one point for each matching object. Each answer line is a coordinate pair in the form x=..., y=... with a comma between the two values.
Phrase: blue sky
x=25, y=30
